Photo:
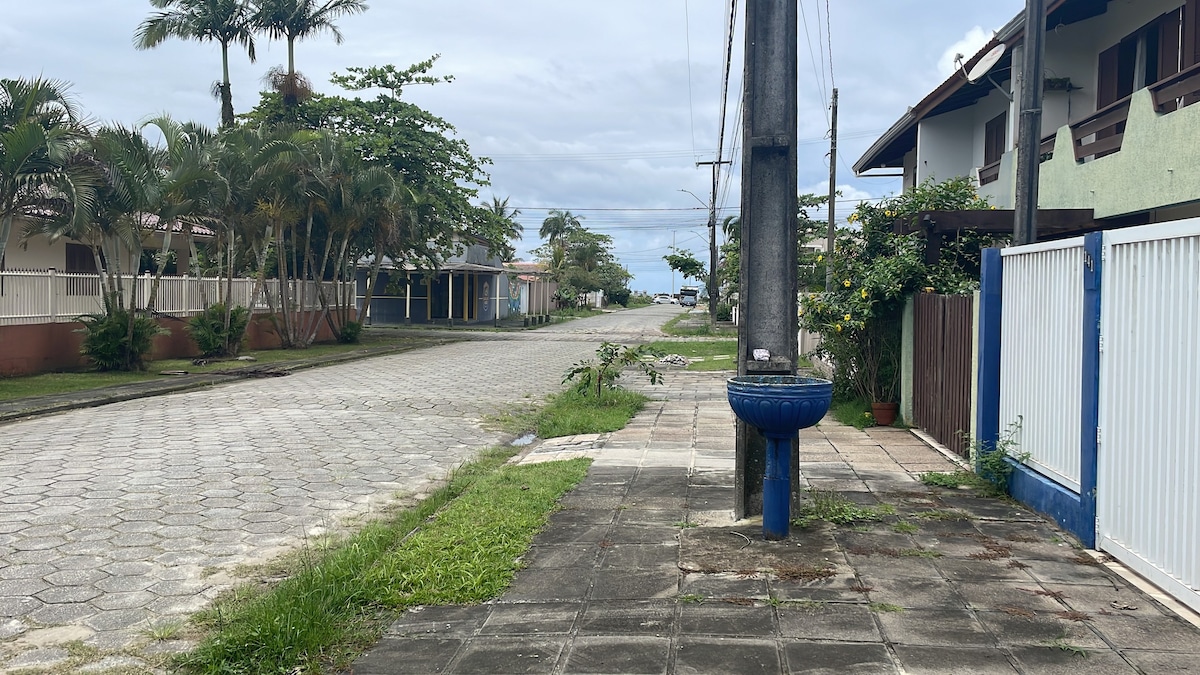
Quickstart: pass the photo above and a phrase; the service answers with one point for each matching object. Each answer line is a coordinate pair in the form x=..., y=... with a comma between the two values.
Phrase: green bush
x=110, y=344
x=350, y=333
x=725, y=311
x=207, y=330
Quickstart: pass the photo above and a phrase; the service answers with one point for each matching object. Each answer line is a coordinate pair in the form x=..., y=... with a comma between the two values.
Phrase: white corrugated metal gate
x=1148, y=508
x=1041, y=355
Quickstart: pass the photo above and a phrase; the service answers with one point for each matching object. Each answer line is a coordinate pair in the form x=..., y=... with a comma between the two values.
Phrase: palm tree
x=293, y=20
x=223, y=21
x=504, y=227
x=40, y=134
x=558, y=225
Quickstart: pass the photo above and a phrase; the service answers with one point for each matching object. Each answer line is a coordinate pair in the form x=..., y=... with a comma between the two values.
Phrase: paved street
x=122, y=518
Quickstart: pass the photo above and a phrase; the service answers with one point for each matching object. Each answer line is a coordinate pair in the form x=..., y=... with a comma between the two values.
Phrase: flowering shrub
x=875, y=271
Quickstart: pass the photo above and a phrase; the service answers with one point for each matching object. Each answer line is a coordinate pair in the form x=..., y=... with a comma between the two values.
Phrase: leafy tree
x=582, y=261
x=416, y=144
x=222, y=21
x=40, y=134
x=687, y=265
x=874, y=273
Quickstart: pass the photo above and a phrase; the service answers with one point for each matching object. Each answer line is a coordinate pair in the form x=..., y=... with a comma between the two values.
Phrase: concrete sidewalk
x=643, y=571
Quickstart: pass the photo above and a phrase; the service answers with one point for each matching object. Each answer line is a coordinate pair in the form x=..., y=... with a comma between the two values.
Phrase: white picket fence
x=30, y=297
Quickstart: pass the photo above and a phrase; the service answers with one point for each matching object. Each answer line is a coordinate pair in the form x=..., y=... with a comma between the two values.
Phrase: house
x=469, y=287
x=1118, y=128
x=1074, y=352
x=68, y=256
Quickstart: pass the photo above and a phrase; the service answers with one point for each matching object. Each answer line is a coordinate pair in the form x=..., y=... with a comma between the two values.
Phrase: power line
x=687, y=26
x=829, y=43
x=818, y=74
x=724, y=97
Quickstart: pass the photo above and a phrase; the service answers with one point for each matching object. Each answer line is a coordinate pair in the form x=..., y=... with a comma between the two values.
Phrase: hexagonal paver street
x=119, y=520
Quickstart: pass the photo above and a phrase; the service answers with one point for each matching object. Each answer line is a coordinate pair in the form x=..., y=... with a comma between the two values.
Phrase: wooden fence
x=942, y=344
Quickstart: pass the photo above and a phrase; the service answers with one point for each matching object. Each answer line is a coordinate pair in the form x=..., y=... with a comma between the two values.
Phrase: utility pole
x=832, y=195
x=713, y=287
x=1029, y=132
x=768, y=317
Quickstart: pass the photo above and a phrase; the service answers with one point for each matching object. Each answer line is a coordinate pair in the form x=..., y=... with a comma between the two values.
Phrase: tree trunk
x=226, y=89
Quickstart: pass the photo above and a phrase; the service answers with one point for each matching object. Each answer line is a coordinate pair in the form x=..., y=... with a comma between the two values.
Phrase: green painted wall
x=1156, y=167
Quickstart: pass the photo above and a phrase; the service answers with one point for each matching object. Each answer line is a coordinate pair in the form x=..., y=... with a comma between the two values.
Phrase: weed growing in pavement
x=1061, y=643
x=803, y=572
x=954, y=480
x=164, y=630
x=831, y=507
x=691, y=598
x=884, y=607
x=942, y=515
x=905, y=527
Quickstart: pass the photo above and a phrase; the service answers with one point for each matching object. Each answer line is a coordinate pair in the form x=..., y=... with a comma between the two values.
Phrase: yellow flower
x=864, y=294
x=846, y=318
x=852, y=218
x=888, y=214
x=820, y=258
x=846, y=283
x=838, y=327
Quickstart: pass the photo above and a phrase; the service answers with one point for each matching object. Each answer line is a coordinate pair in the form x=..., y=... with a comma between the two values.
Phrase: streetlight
x=712, y=252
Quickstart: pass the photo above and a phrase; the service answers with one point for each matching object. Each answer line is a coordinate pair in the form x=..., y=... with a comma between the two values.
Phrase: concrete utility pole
x=768, y=289
x=832, y=231
x=1029, y=133
x=714, y=288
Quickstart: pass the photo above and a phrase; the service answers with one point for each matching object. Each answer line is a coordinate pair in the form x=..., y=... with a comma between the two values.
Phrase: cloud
x=971, y=43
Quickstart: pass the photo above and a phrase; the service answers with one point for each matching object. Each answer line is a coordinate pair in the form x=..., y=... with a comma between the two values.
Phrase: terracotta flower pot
x=885, y=413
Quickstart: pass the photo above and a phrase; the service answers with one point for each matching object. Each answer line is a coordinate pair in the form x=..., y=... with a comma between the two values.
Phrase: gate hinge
x=1097, y=436
x=1101, y=343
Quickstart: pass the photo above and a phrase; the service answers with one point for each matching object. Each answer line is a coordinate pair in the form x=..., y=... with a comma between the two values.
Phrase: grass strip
x=12, y=388
x=672, y=327
x=569, y=413
x=460, y=545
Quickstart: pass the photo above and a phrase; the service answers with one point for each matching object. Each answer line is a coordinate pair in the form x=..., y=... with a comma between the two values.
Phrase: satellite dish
x=985, y=64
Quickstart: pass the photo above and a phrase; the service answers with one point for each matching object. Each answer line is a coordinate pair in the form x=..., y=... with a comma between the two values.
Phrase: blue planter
x=778, y=406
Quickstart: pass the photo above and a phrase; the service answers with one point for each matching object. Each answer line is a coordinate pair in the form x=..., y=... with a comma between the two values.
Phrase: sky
x=600, y=108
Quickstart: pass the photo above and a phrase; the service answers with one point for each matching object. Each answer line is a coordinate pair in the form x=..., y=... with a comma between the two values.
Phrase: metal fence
x=30, y=297
x=1041, y=355
x=1148, y=507
x=1099, y=356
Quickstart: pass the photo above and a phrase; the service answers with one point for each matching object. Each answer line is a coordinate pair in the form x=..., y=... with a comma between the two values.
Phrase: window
x=81, y=261
x=995, y=135
x=995, y=132
x=1153, y=52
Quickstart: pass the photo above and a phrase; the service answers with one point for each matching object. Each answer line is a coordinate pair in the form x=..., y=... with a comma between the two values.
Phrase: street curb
x=92, y=398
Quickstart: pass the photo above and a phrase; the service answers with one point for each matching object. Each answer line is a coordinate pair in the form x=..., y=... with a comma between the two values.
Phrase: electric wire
x=687, y=26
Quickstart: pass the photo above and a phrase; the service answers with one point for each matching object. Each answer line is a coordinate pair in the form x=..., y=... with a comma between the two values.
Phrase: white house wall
x=944, y=146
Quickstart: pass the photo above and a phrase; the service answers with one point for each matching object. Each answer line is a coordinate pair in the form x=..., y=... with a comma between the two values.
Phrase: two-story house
x=1119, y=133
